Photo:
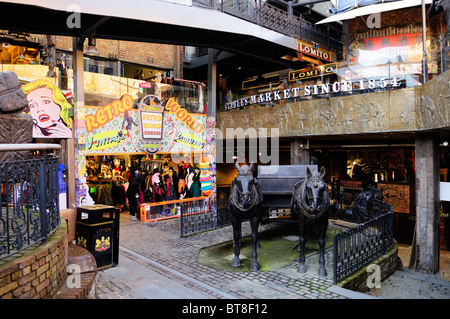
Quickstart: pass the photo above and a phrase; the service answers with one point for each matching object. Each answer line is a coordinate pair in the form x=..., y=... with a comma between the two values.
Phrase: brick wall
x=388, y=263
x=149, y=54
x=38, y=272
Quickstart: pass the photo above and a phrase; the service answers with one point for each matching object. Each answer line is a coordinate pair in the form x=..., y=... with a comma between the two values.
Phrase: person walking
x=133, y=193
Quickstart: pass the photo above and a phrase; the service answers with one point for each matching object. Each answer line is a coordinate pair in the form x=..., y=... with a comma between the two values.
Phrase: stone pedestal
x=427, y=202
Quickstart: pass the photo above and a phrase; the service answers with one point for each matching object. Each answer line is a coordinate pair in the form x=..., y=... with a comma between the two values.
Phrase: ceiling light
x=92, y=47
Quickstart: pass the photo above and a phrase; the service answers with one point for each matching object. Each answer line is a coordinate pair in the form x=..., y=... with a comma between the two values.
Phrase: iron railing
x=273, y=18
x=202, y=215
x=29, y=199
x=358, y=246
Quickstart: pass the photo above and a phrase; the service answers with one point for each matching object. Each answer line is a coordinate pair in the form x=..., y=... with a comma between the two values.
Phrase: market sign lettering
x=151, y=125
x=313, y=50
x=108, y=112
x=190, y=140
x=312, y=90
x=182, y=115
x=308, y=73
x=105, y=140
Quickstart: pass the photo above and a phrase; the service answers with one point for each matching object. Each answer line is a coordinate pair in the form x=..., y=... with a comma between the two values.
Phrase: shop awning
x=353, y=12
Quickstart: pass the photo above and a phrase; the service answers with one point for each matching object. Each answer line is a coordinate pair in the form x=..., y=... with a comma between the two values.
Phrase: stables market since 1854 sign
x=312, y=90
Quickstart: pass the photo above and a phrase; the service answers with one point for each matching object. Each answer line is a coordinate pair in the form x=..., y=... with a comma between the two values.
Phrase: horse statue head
x=244, y=192
x=314, y=197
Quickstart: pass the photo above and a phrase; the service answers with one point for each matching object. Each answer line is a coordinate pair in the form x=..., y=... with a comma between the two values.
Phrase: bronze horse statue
x=245, y=202
x=311, y=203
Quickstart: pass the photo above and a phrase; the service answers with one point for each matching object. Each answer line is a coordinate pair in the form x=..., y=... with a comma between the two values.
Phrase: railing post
x=260, y=12
x=42, y=199
x=335, y=259
x=181, y=219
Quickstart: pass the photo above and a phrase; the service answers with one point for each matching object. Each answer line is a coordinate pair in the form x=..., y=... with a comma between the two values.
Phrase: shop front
x=145, y=155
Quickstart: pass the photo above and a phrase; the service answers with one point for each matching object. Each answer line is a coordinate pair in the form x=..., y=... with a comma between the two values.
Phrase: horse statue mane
x=237, y=193
x=312, y=196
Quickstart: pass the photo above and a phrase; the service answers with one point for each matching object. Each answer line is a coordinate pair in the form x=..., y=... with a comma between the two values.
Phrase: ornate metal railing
x=29, y=199
x=358, y=246
x=273, y=18
x=202, y=215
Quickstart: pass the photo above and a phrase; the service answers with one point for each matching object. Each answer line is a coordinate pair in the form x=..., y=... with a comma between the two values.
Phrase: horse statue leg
x=322, y=239
x=301, y=248
x=254, y=223
x=236, y=223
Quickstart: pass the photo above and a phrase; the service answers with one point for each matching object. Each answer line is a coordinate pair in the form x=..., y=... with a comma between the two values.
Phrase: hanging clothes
x=196, y=186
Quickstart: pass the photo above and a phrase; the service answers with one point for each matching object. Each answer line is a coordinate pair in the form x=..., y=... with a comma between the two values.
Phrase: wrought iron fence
x=202, y=215
x=29, y=200
x=273, y=18
x=358, y=246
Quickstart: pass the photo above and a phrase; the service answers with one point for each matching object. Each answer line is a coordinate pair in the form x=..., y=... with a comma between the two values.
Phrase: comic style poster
x=50, y=110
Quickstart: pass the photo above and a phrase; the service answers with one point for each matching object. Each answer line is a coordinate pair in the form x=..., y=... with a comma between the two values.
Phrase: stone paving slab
x=175, y=259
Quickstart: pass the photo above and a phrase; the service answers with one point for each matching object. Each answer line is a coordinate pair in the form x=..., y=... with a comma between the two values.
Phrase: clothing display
x=147, y=180
x=205, y=177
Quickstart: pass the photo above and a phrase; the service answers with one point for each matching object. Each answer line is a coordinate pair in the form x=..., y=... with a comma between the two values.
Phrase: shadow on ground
x=275, y=252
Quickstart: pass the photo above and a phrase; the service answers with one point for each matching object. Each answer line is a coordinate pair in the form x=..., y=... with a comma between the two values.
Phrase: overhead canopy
x=153, y=21
x=346, y=5
x=346, y=9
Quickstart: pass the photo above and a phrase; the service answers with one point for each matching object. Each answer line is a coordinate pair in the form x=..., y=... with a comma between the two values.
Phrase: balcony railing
x=29, y=198
x=273, y=18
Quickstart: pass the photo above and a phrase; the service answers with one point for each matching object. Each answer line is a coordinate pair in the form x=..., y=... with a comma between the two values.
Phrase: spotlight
x=92, y=47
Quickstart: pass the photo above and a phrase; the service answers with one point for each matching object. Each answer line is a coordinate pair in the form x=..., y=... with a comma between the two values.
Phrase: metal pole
x=43, y=199
x=424, y=46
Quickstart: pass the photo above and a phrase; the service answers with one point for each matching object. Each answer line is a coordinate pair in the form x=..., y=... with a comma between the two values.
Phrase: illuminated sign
x=261, y=82
x=308, y=73
x=312, y=90
x=313, y=50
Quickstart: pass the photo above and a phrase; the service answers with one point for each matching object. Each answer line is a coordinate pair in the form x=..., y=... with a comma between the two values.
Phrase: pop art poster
x=49, y=108
x=119, y=128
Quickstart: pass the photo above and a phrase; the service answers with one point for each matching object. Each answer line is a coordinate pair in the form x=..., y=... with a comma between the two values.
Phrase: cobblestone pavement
x=173, y=262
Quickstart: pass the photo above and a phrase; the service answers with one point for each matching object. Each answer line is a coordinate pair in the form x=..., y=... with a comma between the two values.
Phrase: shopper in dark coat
x=133, y=193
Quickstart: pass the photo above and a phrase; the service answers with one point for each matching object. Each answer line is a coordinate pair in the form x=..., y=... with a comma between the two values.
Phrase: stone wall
x=37, y=272
x=410, y=109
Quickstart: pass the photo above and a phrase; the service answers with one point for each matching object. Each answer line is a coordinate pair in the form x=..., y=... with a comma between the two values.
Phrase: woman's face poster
x=49, y=109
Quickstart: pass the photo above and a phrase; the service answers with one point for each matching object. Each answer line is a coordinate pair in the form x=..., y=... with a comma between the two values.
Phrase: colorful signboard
x=118, y=128
x=399, y=48
x=151, y=116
